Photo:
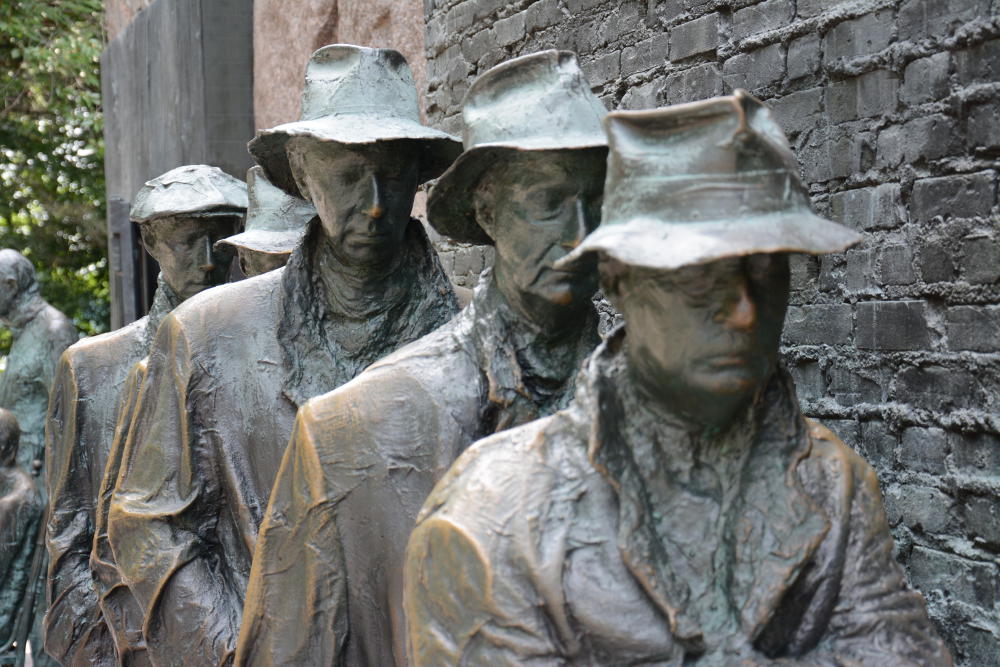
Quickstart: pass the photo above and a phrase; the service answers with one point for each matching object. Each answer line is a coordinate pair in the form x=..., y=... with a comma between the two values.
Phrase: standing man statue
x=20, y=514
x=681, y=510
x=229, y=369
x=326, y=582
x=41, y=333
x=181, y=215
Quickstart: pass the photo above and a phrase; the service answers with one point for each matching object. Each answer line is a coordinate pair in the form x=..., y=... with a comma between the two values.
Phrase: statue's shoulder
x=108, y=348
x=831, y=457
x=59, y=327
x=223, y=307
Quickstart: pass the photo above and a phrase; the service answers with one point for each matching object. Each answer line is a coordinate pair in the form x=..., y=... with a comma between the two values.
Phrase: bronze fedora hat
x=538, y=102
x=697, y=182
x=276, y=221
x=194, y=189
x=355, y=95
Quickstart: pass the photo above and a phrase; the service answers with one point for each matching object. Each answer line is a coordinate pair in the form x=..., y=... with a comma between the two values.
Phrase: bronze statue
x=41, y=333
x=228, y=369
x=275, y=224
x=20, y=515
x=181, y=214
x=681, y=510
x=326, y=581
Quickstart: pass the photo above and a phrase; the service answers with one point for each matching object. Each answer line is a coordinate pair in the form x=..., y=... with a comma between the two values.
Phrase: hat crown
x=189, y=190
x=531, y=100
x=271, y=209
x=718, y=159
x=343, y=79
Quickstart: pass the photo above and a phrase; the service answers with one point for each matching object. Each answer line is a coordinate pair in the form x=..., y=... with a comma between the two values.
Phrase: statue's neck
x=356, y=290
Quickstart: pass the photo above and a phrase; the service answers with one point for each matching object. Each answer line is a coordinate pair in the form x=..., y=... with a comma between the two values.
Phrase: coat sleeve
x=74, y=630
x=296, y=607
x=120, y=611
x=165, y=510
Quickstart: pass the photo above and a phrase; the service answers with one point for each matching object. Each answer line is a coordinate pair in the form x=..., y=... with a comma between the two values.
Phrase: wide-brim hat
x=194, y=190
x=538, y=102
x=699, y=182
x=276, y=221
x=355, y=95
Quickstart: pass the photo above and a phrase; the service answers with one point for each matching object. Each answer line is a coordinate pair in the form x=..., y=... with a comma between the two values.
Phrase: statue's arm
x=73, y=620
x=296, y=606
x=164, y=511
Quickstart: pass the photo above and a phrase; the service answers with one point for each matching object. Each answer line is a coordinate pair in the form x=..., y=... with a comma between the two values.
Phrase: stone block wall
x=892, y=107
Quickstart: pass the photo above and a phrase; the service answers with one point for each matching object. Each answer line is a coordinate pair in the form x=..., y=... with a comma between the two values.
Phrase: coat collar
x=777, y=524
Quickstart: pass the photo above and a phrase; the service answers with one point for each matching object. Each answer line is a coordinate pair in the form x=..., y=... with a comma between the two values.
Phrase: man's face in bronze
x=538, y=207
x=255, y=262
x=184, y=247
x=703, y=339
x=363, y=194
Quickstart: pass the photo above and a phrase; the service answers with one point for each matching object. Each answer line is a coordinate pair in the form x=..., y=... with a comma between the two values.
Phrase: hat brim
x=662, y=245
x=450, y=209
x=270, y=242
x=437, y=149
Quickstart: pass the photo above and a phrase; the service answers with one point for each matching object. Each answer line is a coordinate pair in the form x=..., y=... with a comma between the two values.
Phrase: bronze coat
x=226, y=374
x=20, y=513
x=540, y=547
x=326, y=582
x=83, y=408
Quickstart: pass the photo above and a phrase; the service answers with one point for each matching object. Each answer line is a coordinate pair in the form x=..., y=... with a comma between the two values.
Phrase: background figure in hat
x=20, y=515
x=363, y=458
x=681, y=510
x=276, y=223
x=229, y=369
x=181, y=215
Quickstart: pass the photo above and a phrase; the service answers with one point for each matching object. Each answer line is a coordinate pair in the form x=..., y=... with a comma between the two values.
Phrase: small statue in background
x=276, y=224
x=41, y=333
x=681, y=510
x=181, y=215
x=326, y=585
x=20, y=515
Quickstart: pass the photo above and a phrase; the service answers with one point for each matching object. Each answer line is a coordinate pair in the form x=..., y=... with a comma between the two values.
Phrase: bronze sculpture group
x=327, y=463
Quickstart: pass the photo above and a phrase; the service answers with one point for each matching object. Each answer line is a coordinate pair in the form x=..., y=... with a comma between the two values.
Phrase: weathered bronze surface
x=326, y=582
x=183, y=212
x=229, y=368
x=681, y=511
x=20, y=515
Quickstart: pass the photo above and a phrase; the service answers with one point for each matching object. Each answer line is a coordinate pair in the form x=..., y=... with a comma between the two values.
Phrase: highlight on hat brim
x=450, y=209
x=438, y=149
x=165, y=214
x=655, y=244
x=270, y=242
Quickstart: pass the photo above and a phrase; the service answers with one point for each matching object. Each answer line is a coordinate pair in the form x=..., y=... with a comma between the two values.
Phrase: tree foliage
x=52, y=201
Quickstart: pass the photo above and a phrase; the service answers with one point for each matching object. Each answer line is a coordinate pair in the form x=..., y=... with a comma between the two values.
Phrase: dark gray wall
x=177, y=89
x=892, y=107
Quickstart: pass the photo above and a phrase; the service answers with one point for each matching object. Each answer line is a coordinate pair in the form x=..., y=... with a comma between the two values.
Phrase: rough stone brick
x=860, y=269
x=803, y=56
x=981, y=260
x=798, y=112
x=459, y=17
x=921, y=508
x=979, y=63
x=510, y=29
x=970, y=581
x=851, y=388
x=878, y=444
x=927, y=18
x=896, y=265
x=645, y=55
x=864, y=35
x=961, y=196
x=863, y=96
x=694, y=37
x=918, y=140
x=820, y=324
x=977, y=455
x=983, y=121
x=695, y=83
x=926, y=79
x=982, y=516
x=541, y=15
x=808, y=379
x=603, y=69
x=974, y=328
x=755, y=69
x=763, y=16
x=924, y=449
x=477, y=46
x=846, y=430
x=939, y=388
x=936, y=262
x=645, y=96
x=809, y=8
x=892, y=325
x=869, y=208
